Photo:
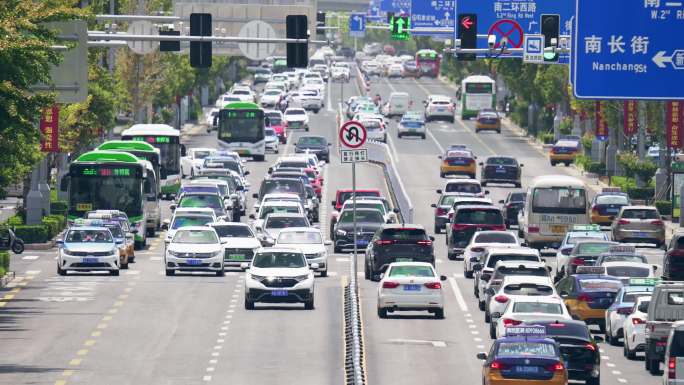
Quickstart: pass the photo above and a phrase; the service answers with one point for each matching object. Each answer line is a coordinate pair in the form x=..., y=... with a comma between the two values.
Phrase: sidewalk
x=8, y=207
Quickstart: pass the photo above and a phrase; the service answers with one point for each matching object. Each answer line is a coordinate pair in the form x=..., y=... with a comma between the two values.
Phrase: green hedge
x=596, y=168
x=59, y=208
x=546, y=137
x=15, y=220
x=645, y=193
x=54, y=224
x=32, y=233
x=664, y=207
x=4, y=263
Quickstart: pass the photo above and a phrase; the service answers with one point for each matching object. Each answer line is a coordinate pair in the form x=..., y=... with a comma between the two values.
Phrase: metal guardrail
x=354, y=368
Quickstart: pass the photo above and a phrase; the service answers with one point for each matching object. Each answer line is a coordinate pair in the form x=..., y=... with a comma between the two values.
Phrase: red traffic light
x=466, y=22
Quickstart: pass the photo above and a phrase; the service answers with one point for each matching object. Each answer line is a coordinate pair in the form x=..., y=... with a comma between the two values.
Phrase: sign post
x=352, y=137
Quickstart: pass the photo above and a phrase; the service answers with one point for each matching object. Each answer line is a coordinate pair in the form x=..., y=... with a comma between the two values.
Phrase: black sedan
x=368, y=221
x=500, y=169
x=514, y=202
x=315, y=145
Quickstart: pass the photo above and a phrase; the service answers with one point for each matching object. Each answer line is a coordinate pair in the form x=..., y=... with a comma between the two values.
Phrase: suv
x=397, y=243
x=666, y=307
x=639, y=224
x=674, y=355
x=673, y=262
x=466, y=221
x=500, y=169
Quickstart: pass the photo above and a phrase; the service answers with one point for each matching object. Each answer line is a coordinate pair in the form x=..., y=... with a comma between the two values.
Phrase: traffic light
x=320, y=19
x=390, y=16
x=200, y=52
x=297, y=27
x=399, y=27
x=467, y=33
x=169, y=46
x=550, y=28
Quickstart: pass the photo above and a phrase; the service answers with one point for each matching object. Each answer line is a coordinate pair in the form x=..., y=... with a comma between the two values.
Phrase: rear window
x=411, y=271
x=640, y=214
x=468, y=188
x=565, y=329
x=479, y=217
x=675, y=298
x=628, y=271
x=213, y=201
x=593, y=248
x=441, y=102
x=528, y=289
x=282, y=223
x=599, y=285
x=680, y=243
x=233, y=231
x=502, y=237
x=677, y=344
x=404, y=234
x=348, y=194
x=537, y=307
x=534, y=271
x=526, y=348
x=632, y=297
x=510, y=257
x=612, y=200
x=502, y=161
x=518, y=197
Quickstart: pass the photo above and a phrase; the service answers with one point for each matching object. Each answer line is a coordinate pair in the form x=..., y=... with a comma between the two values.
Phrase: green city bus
x=241, y=129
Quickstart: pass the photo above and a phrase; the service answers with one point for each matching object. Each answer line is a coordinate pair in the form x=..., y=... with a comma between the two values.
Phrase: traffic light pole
x=103, y=36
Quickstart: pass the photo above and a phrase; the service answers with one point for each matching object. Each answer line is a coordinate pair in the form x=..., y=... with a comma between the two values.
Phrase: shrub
x=587, y=143
x=547, y=137
x=645, y=193
x=646, y=170
x=32, y=233
x=15, y=220
x=59, y=207
x=596, y=168
x=4, y=263
x=664, y=207
x=583, y=161
x=623, y=182
x=52, y=225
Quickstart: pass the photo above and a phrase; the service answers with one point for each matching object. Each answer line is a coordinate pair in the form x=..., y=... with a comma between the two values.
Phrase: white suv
x=310, y=241
x=439, y=107
x=279, y=276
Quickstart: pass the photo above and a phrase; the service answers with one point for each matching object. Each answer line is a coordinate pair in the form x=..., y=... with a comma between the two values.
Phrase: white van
x=554, y=204
x=397, y=104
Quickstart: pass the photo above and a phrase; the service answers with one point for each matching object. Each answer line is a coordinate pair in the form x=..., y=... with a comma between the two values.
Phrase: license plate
x=559, y=229
x=90, y=260
x=526, y=369
x=412, y=129
x=404, y=259
x=279, y=293
x=500, y=171
x=411, y=287
x=194, y=262
x=236, y=256
x=640, y=234
x=612, y=211
x=362, y=242
x=440, y=110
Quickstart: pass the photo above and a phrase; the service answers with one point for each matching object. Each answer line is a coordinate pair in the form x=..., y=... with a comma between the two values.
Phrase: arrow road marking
x=660, y=59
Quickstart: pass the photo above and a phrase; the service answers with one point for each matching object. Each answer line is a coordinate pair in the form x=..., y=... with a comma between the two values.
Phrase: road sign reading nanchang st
x=352, y=134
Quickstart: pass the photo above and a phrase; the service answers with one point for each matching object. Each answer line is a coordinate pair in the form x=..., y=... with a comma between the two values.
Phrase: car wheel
x=487, y=317
x=366, y=271
x=249, y=305
x=221, y=273
x=467, y=274
x=567, y=164
x=124, y=265
x=442, y=175
x=61, y=271
x=553, y=163
x=630, y=354
x=324, y=273
x=481, y=305
x=337, y=250
x=492, y=331
x=593, y=381
x=653, y=367
x=518, y=185
x=170, y=272
x=439, y=313
x=438, y=230
x=309, y=304
x=422, y=136
x=114, y=273
x=484, y=184
x=382, y=312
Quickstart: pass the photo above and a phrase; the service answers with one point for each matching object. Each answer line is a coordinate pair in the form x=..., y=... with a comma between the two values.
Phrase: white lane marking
x=617, y=372
x=206, y=378
x=610, y=364
x=30, y=257
x=390, y=142
x=605, y=357
x=329, y=89
x=155, y=258
x=434, y=343
x=622, y=380
x=434, y=140
x=332, y=273
x=33, y=272
x=342, y=259
x=133, y=272
x=438, y=260
x=458, y=295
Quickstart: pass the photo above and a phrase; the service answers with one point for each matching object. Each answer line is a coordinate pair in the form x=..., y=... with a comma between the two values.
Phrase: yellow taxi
x=607, y=204
x=458, y=162
x=564, y=151
x=525, y=356
x=588, y=294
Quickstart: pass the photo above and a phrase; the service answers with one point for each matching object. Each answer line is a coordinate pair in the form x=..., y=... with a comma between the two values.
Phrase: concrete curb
x=40, y=246
x=4, y=281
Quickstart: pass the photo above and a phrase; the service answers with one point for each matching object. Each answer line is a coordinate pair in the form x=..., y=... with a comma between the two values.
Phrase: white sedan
x=193, y=161
x=635, y=328
x=531, y=309
x=194, y=248
x=297, y=118
x=279, y=276
x=310, y=241
x=480, y=241
x=411, y=286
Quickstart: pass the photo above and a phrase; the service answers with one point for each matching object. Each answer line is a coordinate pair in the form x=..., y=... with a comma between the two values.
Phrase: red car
x=276, y=121
x=316, y=181
x=343, y=195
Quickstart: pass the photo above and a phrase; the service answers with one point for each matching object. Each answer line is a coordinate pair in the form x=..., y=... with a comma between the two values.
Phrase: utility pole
x=641, y=150
x=138, y=114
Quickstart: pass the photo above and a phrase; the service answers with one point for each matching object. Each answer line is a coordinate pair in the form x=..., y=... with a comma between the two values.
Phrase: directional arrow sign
x=466, y=22
x=357, y=25
x=400, y=24
x=676, y=59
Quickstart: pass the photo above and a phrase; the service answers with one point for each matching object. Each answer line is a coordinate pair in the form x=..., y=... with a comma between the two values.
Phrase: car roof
x=301, y=229
x=408, y=226
x=477, y=207
x=223, y=223
x=525, y=264
x=280, y=203
x=463, y=181
x=196, y=228
x=639, y=207
x=193, y=210
x=88, y=228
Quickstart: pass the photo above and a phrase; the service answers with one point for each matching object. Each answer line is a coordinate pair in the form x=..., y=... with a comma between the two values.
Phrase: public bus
x=167, y=140
x=109, y=180
x=478, y=92
x=279, y=65
x=152, y=155
x=554, y=203
x=428, y=62
x=241, y=129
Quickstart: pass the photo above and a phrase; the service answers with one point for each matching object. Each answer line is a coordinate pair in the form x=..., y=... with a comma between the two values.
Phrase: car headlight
x=66, y=251
x=301, y=278
x=174, y=253
x=341, y=232
x=322, y=254
x=115, y=250
x=259, y=278
x=218, y=253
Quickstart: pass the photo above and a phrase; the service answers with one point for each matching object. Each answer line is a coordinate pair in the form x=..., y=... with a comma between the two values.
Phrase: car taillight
x=577, y=262
x=657, y=222
x=501, y=299
x=553, y=150
x=676, y=253
x=457, y=227
x=498, y=228
x=590, y=347
x=557, y=367
x=672, y=368
x=533, y=229
x=451, y=216
x=637, y=321
x=511, y=322
x=625, y=310
x=566, y=251
x=390, y=285
x=623, y=222
x=425, y=243
x=477, y=249
x=595, y=210
x=382, y=242
x=441, y=211
x=584, y=298
x=433, y=285
x=498, y=365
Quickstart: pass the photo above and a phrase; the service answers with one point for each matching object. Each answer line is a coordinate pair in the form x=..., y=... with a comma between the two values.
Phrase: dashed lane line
x=457, y=293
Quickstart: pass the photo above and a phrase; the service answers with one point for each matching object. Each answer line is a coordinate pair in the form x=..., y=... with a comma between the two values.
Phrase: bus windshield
x=241, y=125
x=562, y=200
x=105, y=187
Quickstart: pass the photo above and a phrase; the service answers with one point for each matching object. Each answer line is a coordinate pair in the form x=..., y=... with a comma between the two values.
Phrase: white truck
x=666, y=307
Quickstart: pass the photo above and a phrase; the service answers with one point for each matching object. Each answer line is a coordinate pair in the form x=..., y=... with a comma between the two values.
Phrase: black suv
x=673, y=263
x=314, y=144
x=466, y=221
x=397, y=243
x=500, y=169
x=514, y=202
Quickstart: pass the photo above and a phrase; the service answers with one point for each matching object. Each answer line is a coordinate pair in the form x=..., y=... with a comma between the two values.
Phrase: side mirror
x=314, y=266
x=439, y=191
x=486, y=192
x=333, y=203
x=442, y=278
x=434, y=205
x=549, y=268
x=252, y=216
x=522, y=165
x=502, y=202
x=184, y=151
x=481, y=163
x=244, y=265
x=59, y=243
x=172, y=207
x=655, y=267
x=481, y=356
x=255, y=196
x=165, y=224
x=327, y=243
x=224, y=242
x=432, y=238
x=489, y=291
x=245, y=173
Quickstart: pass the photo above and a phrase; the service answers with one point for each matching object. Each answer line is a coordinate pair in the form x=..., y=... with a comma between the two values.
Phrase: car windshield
x=195, y=236
x=628, y=271
x=404, y=234
x=210, y=200
x=510, y=257
x=279, y=260
x=632, y=296
x=116, y=231
x=311, y=141
x=227, y=164
x=530, y=289
x=369, y=216
x=612, y=200
x=231, y=231
x=572, y=240
x=272, y=92
x=599, y=285
x=559, y=200
x=299, y=237
x=295, y=112
x=366, y=205
x=278, y=209
x=640, y=214
x=502, y=161
x=526, y=348
x=411, y=271
x=285, y=222
x=497, y=237
x=184, y=221
x=479, y=217
x=537, y=307
x=89, y=236
x=624, y=258
x=517, y=197
x=468, y=188
x=269, y=132
x=201, y=154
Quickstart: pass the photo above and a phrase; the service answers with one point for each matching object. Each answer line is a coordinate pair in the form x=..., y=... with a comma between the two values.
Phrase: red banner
x=673, y=124
x=601, y=124
x=49, y=127
x=631, y=117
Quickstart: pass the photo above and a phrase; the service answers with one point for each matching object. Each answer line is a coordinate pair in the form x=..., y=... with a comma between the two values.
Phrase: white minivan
x=397, y=104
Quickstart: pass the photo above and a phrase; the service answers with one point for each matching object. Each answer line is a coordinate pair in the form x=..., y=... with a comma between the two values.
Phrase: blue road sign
x=373, y=14
x=524, y=16
x=432, y=14
x=357, y=25
x=636, y=53
x=397, y=6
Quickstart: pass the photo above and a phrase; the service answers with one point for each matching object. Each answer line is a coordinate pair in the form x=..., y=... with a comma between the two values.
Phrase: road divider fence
x=354, y=362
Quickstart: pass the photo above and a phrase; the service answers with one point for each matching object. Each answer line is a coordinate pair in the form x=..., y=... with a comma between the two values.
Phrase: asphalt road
x=145, y=328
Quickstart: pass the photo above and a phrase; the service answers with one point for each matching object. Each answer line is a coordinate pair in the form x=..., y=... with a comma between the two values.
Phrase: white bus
x=554, y=204
x=167, y=140
x=478, y=92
